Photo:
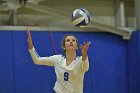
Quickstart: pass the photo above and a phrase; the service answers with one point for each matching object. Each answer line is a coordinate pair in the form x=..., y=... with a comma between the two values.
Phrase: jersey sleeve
x=49, y=61
x=84, y=64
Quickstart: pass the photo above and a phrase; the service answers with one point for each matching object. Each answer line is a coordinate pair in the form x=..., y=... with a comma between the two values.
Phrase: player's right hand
x=29, y=39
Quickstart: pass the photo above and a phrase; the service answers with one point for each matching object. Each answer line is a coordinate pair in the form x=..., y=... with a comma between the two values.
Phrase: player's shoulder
x=59, y=58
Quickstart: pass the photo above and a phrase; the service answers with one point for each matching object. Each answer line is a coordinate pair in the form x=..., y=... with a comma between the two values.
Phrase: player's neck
x=70, y=56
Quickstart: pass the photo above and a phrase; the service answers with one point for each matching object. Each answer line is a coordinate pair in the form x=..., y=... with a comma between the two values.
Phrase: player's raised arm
x=29, y=39
x=84, y=49
x=49, y=61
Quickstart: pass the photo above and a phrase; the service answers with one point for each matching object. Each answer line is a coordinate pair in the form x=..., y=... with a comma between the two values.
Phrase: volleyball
x=80, y=17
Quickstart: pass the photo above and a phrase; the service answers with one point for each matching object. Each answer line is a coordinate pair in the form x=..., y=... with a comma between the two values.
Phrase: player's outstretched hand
x=84, y=49
x=85, y=46
x=29, y=39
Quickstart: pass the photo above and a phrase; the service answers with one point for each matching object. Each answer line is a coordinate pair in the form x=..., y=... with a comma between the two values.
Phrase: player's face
x=70, y=43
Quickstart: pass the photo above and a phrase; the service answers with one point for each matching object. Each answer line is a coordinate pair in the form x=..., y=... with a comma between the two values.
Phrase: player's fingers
x=88, y=43
x=26, y=28
x=81, y=46
x=84, y=43
x=28, y=33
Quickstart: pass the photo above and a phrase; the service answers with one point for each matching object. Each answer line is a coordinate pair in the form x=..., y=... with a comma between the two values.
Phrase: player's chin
x=72, y=49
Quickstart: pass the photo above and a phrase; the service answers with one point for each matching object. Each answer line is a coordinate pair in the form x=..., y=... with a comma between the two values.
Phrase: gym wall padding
x=134, y=63
x=6, y=63
x=109, y=57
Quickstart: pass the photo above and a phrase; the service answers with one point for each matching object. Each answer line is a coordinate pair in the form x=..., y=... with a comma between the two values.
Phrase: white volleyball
x=80, y=17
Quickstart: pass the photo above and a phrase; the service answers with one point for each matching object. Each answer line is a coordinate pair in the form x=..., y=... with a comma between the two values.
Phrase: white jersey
x=69, y=78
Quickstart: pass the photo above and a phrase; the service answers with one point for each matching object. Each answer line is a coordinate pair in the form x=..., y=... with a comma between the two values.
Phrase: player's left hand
x=85, y=47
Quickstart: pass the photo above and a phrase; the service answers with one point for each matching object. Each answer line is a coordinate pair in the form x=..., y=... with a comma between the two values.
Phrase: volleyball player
x=69, y=69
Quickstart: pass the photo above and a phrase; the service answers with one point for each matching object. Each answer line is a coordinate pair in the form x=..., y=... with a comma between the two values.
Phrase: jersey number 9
x=66, y=76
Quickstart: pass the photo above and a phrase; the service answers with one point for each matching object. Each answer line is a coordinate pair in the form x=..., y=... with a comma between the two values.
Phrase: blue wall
x=110, y=62
x=134, y=63
x=6, y=63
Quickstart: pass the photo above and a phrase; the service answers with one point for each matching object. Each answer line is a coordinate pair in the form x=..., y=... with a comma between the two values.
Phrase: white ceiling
x=47, y=12
x=53, y=14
